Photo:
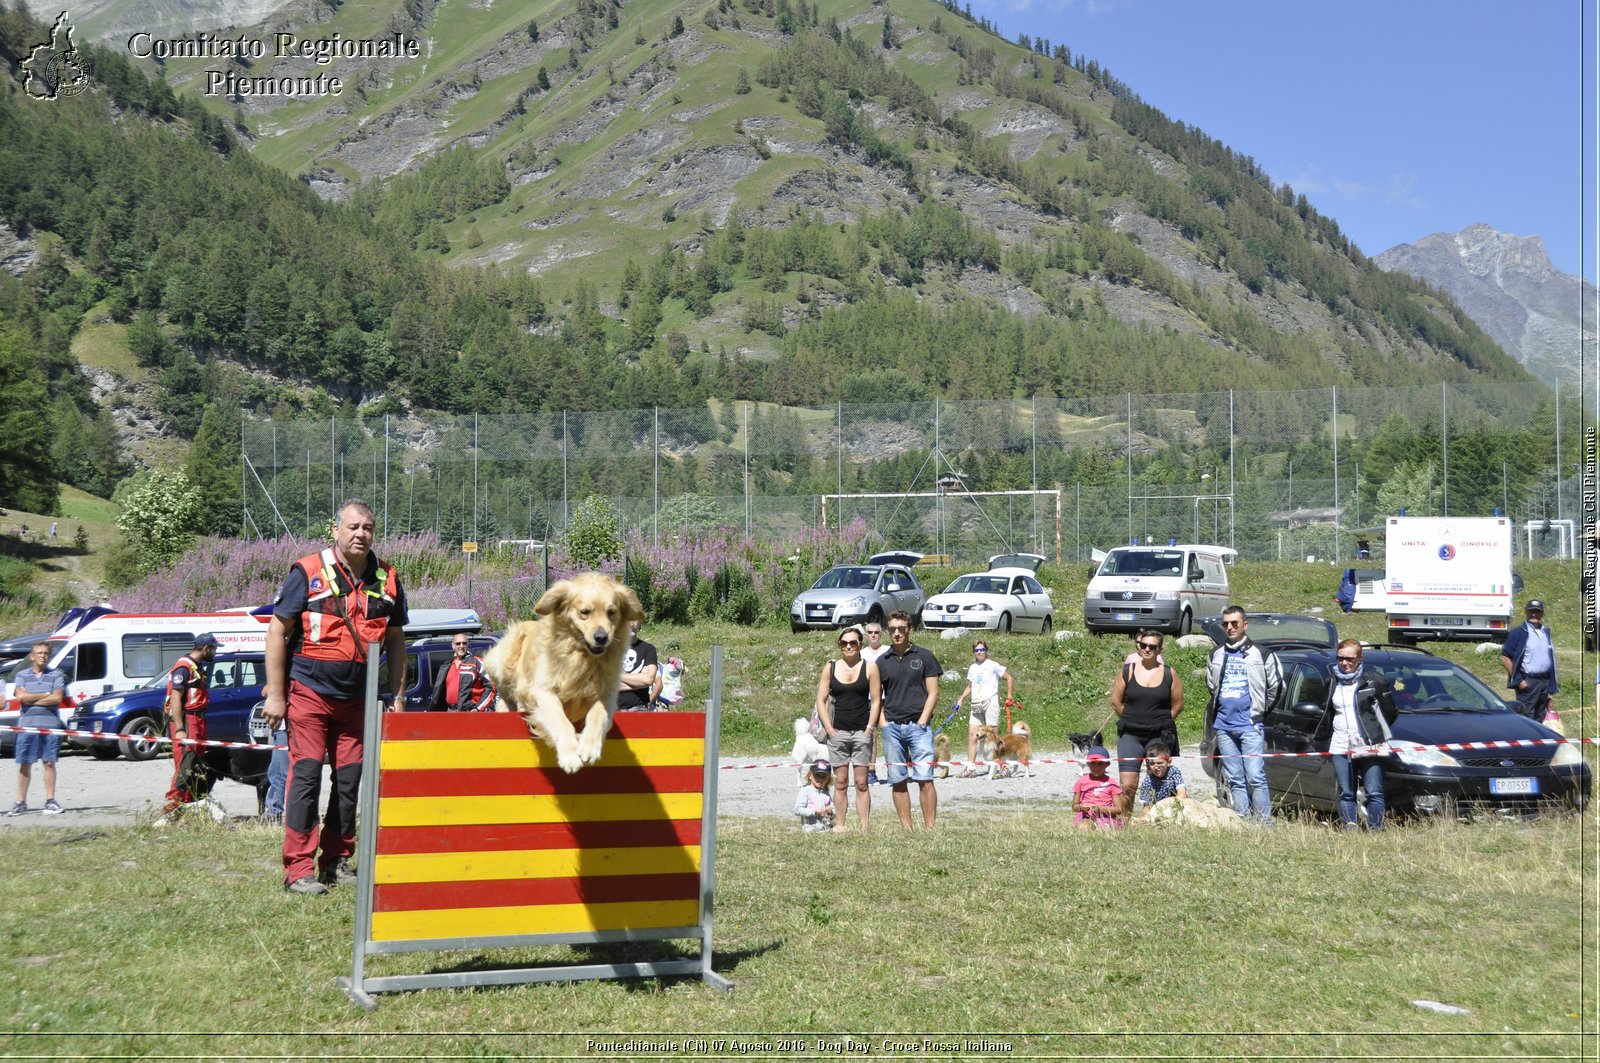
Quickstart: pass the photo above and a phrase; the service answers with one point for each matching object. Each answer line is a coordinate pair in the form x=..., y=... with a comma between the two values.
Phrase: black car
x=1441, y=704
x=424, y=658
x=1276, y=631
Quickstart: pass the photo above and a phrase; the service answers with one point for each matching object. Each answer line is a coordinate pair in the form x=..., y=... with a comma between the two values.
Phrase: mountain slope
x=1509, y=287
x=663, y=122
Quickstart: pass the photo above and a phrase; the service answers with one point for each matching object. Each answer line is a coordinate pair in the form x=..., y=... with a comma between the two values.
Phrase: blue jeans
x=1246, y=771
x=277, y=772
x=36, y=747
x=1370, y=772
x=908, y=744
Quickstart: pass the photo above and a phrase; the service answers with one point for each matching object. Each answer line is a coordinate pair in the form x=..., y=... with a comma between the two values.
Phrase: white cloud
x=1401, y=192
x=1312, y=181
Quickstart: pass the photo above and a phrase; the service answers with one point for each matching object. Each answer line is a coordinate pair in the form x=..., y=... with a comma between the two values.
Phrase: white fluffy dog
x=806, y=749
x=1190, y=812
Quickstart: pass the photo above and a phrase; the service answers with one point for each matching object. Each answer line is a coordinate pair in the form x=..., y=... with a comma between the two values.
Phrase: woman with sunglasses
x=1147, y=698
x=848, y=703
x=1362, y=708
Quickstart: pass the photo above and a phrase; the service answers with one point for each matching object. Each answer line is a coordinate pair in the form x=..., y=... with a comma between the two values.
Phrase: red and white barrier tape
x=1518, y=743
x=113, y=737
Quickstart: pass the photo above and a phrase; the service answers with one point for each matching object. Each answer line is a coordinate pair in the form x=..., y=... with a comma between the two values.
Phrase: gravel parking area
x=100, y=792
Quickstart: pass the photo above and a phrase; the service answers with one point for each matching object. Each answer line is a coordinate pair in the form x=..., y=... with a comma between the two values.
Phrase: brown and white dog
x=1018, y=746
x=997, y=749
x=941, y=756
x=566, y=668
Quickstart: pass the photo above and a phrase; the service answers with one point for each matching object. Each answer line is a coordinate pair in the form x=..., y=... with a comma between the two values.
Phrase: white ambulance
x=1448, y=578
x=101, y=650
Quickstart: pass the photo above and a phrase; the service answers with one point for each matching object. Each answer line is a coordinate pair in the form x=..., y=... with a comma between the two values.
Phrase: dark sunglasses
x=980, y=649
x=849, y=642
x=1352, y=660
x=892, y=630
x=1151, y=646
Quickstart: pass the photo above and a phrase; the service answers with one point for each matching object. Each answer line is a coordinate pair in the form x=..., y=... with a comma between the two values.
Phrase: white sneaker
x=52, y=809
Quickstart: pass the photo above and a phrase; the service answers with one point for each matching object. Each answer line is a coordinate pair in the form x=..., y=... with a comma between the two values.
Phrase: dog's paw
x=568, y=758
x=589, y=749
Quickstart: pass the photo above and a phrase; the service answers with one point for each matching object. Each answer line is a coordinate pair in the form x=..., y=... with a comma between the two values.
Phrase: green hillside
x=597, y=206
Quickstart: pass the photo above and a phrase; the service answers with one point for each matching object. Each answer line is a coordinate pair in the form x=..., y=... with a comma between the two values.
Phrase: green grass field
x=1004, y=928
x=1011, y=928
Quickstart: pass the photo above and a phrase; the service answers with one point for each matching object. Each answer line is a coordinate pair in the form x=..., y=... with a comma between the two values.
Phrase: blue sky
x=1398, y=118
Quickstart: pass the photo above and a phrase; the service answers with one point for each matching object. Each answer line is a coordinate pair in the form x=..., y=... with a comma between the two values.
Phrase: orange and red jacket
x=196, y=689
x=335, y=606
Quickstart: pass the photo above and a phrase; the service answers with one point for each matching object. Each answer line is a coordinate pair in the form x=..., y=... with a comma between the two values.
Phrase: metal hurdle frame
x=360, y=986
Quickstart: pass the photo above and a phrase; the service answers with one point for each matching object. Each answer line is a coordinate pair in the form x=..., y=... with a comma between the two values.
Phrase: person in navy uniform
x=1529, y=658
x=188, y=697
x=331, y=606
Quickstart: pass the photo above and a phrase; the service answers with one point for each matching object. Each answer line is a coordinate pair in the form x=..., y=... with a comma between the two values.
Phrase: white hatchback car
x=1005, y=598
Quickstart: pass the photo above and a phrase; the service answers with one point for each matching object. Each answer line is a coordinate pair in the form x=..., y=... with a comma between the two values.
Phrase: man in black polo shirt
x=910, y=681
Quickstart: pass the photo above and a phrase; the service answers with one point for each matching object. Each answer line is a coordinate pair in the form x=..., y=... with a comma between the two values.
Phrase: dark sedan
x=1441, y=705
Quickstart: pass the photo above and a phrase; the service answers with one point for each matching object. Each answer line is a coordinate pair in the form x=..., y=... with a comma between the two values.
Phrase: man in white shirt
x=983, y=684
x=872, y=648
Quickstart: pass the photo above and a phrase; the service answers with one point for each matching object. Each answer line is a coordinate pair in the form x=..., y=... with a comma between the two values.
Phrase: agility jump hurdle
x=482, y=842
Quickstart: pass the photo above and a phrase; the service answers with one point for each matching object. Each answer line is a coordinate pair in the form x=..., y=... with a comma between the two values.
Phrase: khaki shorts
x=849, y=747
x=986, y=712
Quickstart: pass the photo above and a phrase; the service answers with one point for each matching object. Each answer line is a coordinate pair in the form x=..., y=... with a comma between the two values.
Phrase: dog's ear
x=554, y=598
x=631, y=609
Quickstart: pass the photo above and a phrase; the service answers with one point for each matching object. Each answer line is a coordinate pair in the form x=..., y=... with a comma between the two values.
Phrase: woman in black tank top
x=848, y=703
x=1147, y=698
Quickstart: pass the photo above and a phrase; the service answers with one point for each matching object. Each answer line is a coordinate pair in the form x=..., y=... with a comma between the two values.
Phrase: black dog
x=1082, y=743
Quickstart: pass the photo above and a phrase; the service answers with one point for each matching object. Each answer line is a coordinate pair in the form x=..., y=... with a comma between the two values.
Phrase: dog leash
x=953, y=710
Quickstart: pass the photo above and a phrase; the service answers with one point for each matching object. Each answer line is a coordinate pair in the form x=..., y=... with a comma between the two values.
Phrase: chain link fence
x=1286, y=474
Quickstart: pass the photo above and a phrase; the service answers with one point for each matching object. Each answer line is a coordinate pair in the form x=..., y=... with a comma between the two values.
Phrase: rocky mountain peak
x=1508, y=285
x=1488, y=252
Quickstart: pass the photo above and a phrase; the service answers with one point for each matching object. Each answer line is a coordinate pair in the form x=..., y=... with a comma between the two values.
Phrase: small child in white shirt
x=814, y=803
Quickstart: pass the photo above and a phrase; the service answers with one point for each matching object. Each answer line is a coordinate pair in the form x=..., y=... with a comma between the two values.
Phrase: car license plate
x=1446, y=621
x=1122, y=616
x=1513, y=786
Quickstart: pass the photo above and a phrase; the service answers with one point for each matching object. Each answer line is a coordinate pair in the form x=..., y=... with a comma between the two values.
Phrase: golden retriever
x=566, y=668
x=941, y=756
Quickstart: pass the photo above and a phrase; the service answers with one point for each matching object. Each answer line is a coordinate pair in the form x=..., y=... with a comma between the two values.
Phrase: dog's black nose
x=601, y=638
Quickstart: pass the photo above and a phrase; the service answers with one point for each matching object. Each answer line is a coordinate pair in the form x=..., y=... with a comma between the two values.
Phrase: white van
x=1160, y=587
x=106, y=651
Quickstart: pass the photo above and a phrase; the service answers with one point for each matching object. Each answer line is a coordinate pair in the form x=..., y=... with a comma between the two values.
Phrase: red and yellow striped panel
x=480, y=834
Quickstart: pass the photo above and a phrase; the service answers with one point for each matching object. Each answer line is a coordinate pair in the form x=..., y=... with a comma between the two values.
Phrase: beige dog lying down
x=1191, y=812
x=566, y=668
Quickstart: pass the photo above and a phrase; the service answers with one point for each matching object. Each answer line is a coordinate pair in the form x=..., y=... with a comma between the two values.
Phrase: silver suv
x=851, y=594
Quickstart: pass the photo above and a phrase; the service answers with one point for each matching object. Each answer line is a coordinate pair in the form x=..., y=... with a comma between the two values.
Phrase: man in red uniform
x=330, y=607
x=188, y=695
x=462, y=685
